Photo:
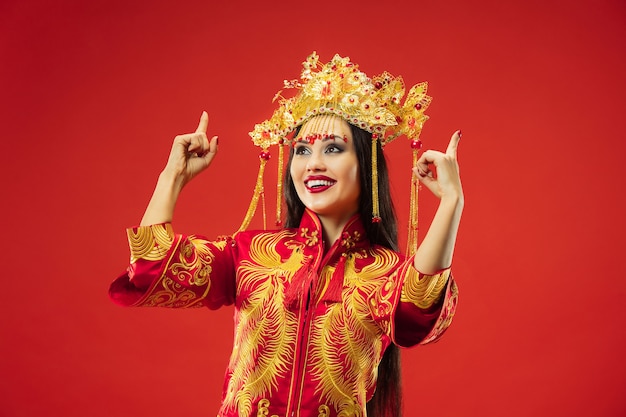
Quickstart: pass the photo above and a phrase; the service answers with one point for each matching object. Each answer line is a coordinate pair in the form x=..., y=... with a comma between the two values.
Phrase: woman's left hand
x=447, y=182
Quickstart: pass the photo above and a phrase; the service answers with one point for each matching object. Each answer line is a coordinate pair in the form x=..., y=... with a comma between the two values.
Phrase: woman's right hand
x=191, y=154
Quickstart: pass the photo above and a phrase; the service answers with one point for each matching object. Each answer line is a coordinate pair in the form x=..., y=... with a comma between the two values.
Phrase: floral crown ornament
x=339, y=88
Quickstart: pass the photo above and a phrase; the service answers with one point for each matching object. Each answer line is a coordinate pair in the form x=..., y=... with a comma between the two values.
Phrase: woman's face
x=324, y=168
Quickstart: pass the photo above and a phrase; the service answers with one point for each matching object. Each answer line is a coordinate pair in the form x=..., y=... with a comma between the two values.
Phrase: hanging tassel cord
x=412, y=242
x=300, y=285
x=279, y=186
x=258, y=191
x=335, y=286
x=375, y=203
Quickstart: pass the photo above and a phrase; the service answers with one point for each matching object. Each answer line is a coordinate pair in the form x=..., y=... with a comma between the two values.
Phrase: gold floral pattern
x=349, y=241
x=312, y=238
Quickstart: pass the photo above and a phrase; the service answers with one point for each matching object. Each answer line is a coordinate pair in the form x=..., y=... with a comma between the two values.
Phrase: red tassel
x=335, y=286
x=299, y=286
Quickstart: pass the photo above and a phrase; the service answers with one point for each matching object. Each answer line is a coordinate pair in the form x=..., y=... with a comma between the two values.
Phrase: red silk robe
x=310, y=326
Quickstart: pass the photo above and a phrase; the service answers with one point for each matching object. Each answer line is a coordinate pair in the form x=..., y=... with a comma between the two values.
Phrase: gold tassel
x=258, y=191
x=279, y=186
x=375, y=205
x=264, y=211
x=411, y=246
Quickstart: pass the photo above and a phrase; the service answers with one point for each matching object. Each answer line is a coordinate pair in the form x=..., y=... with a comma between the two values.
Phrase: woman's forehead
x=326, y=124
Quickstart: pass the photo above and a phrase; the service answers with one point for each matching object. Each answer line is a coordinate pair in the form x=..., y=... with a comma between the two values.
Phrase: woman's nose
x=315, y=162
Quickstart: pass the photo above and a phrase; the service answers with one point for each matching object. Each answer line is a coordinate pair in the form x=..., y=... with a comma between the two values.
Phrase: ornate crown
x=340, y=88
x=372, y=104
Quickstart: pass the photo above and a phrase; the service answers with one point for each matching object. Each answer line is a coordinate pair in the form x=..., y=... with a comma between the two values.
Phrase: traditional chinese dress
x=310, y=325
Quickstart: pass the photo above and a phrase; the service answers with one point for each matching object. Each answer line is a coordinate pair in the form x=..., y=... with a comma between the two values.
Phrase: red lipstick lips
x=318, y=183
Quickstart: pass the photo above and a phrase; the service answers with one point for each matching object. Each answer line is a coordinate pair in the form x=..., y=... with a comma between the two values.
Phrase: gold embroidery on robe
x=447, y=314
x=266, y=331
x=150, y=242
x=264, y=408
x=424, y=290
x=323, y=410
x=311, y=238
x=345, y=341
x=342, y=341
x=172, y=294
x=194, y=266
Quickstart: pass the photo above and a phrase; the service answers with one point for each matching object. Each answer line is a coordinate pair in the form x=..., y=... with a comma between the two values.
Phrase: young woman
x=322, y=304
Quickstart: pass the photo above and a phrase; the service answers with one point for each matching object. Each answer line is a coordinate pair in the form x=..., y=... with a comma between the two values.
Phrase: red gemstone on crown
x=264, y=155
x=416, y=144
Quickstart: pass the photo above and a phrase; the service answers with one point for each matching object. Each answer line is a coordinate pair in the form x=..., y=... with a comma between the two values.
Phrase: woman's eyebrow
x=323, y=137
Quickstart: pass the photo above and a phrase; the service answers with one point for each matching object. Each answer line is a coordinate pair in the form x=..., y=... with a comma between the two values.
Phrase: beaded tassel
x=279, y=185
x=258, y=192
x=375, y=205
x=411, y=246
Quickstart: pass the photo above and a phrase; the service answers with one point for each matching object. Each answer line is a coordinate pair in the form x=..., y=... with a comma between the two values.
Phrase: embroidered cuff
x=422, y=290
x=150, y=242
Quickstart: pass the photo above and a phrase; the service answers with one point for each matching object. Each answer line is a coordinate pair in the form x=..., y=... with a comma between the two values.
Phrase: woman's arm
x=191, y=154
x=436, y=250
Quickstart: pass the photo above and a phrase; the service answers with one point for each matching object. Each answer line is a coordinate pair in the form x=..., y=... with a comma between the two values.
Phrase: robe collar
x=352, y=238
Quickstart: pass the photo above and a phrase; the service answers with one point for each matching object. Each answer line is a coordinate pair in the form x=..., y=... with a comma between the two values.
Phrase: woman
x=320, y=303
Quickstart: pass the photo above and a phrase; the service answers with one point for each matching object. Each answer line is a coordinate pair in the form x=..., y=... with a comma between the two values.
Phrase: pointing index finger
x=204, y=123
x=454, y=143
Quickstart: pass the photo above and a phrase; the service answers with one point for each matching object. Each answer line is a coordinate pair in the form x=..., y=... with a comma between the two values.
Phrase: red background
x=92, y=94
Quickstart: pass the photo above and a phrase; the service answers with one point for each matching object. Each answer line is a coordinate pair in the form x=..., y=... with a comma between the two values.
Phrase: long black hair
x=387, y=399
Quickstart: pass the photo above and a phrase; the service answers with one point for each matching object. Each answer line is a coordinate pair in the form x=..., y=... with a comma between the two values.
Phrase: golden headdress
x=340, y=88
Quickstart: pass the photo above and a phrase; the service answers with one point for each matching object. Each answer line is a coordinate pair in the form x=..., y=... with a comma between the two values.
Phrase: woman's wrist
x=163, y=201
x=171, y=181
x=453, y=199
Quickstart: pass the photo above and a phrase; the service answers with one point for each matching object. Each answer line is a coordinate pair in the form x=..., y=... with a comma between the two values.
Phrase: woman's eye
x=301, y=150
x=333, y=149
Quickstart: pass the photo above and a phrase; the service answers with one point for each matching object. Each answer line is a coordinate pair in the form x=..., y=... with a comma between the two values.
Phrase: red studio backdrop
x=92, y=94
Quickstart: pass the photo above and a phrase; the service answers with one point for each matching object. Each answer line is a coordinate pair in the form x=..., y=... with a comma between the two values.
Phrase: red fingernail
x=217, y=140
x=459, y=132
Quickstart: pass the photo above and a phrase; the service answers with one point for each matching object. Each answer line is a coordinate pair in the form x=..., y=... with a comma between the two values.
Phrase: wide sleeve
x=414, y=308
x=426, y=307
x=170, y=270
